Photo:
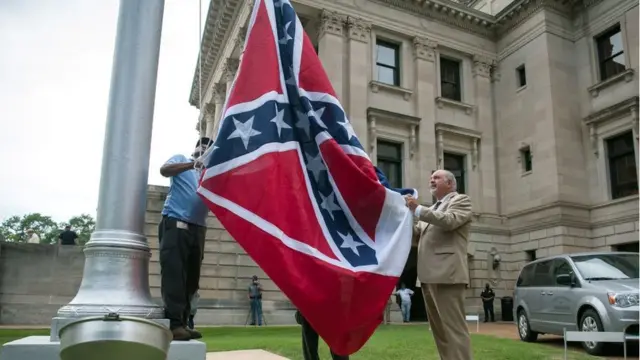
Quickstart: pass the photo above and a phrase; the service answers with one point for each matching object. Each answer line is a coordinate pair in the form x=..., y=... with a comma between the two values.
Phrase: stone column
x=424, y=52
x=488, y=202
x=208, y=116
x=330, y=48
x=230, y=69
x=359, y=33
x=219, y=94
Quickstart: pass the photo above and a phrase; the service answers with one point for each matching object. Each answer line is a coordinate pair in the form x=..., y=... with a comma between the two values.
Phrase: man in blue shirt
x=181, y=233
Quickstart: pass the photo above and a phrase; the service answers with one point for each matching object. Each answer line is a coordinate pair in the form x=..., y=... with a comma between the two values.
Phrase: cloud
x=56, y=71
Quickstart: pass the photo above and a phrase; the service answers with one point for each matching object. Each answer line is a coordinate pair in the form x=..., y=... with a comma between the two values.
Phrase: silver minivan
x=578, y=292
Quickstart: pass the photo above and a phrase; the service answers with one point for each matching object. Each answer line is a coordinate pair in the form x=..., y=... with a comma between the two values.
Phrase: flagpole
x=116, y=269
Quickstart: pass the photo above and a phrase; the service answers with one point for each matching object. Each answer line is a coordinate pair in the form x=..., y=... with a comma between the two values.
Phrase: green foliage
x=15, y=227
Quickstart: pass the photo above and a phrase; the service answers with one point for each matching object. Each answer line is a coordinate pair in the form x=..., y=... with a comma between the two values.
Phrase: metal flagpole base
x=115, y=278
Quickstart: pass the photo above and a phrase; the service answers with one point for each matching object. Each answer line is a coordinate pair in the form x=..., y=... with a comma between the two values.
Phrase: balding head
x=442, y=183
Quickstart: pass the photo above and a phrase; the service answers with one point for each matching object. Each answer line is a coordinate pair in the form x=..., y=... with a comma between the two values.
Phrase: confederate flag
x=289, y=180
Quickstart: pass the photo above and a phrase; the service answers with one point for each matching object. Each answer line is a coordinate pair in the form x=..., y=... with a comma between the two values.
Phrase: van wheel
x=524, y=329
x=590, y=321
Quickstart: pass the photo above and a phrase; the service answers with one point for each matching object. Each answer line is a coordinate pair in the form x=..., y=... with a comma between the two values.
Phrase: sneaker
x=181, y=334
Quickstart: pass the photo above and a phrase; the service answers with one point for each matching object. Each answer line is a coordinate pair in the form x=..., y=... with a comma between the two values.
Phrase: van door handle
x=550, y=293
x=543, y=293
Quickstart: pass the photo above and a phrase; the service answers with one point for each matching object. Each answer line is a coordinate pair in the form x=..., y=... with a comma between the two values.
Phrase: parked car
x=578, y=292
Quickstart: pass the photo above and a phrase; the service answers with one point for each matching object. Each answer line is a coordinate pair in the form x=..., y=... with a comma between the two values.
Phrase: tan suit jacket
x=444, y=236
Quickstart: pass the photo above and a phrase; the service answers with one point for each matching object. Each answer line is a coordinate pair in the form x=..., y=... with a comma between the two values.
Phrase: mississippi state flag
x=289, y=180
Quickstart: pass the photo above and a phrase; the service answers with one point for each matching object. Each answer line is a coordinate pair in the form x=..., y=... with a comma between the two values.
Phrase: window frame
x=389, y=159
x=462, y=180
x=396, y=69
x=599, y=40
x=617, y=189
x=457, y=96
x=526, y=159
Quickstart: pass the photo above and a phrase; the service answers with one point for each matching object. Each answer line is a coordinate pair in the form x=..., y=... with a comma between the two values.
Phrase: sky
x=55, y=71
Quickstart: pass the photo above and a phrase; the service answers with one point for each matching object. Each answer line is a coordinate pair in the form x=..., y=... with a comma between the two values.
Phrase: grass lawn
x=389, y=342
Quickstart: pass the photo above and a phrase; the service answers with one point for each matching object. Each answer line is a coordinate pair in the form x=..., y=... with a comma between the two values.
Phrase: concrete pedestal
x=42, y=348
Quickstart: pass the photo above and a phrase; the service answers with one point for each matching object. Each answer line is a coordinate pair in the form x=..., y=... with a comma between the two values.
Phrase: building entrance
x=409, y=277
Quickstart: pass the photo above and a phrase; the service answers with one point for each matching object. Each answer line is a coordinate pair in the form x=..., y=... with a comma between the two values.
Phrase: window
x=542, y=274
x=531, y=255
x=607, y=266
x=390, y=162
x=525, y=159
x=455, y=164
x=387, y=62
x=521, y=74
x=623, y=177
x=610, y=53
x=628, y=247
x=561, y=267
x=450, y=79
x=526, y=276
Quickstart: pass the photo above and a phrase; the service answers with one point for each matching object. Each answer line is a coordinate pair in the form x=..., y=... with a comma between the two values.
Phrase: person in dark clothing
x=181, y=235
x=487, y=303
x=67, y=237
x=310, y=341
x=255, y=297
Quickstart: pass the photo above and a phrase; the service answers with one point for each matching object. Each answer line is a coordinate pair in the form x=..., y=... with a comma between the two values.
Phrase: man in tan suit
x=442, y=263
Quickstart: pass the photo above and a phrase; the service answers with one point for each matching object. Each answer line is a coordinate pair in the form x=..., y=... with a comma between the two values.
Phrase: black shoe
x=181, y=334
x=194, y=334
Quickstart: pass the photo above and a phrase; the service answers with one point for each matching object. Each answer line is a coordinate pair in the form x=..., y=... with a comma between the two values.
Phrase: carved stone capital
x=358, y=29
x=230, y=68
x=219, y=93
x=209, y=109
x=331, y=23
x=424, y=49
x=242, y=34
x=482, y=66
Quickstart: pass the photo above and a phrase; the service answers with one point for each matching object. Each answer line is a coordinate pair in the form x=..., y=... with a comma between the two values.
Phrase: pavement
x=244, y=355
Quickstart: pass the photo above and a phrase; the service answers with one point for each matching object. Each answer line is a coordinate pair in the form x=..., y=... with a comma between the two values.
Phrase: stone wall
x=36, y=280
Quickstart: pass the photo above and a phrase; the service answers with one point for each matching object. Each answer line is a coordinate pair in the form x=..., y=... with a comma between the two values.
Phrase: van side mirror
x=565, y=280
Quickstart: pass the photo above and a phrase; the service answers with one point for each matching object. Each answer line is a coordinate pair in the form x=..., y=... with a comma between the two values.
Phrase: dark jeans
x=181, y=254
x=310, y=343
x=256, y=311
x=488, y=310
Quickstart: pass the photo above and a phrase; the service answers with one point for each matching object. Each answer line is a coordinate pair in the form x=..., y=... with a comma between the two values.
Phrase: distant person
x=405, y=302
x=67, y=237
x=181, y=235
x=32, y=237
x=487, y=303
x=255, y=298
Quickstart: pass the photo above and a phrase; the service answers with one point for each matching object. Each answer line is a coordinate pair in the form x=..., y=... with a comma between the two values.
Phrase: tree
x=83, y=225
x=14, y=228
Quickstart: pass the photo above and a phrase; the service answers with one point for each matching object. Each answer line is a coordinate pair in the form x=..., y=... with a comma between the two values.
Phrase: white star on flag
x=329, y=204
x=286, y=37
x=349, y=243
x=279, y=120
x=244, y=131
x=315, y=165
x=348, y=128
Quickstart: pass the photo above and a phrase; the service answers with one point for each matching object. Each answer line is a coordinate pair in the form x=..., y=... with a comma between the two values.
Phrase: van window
x=526, y=276
x=610, y=266
x=561, y=267
x=542, y=274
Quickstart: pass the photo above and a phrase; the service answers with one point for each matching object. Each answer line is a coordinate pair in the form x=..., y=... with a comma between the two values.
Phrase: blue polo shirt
x=183, y=203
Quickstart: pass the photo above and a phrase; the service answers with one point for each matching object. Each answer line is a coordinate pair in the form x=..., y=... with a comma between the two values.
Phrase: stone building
x=533, y=104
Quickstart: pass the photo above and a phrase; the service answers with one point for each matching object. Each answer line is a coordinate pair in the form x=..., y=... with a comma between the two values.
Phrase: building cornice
x=221, y=17
x=220, y=20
